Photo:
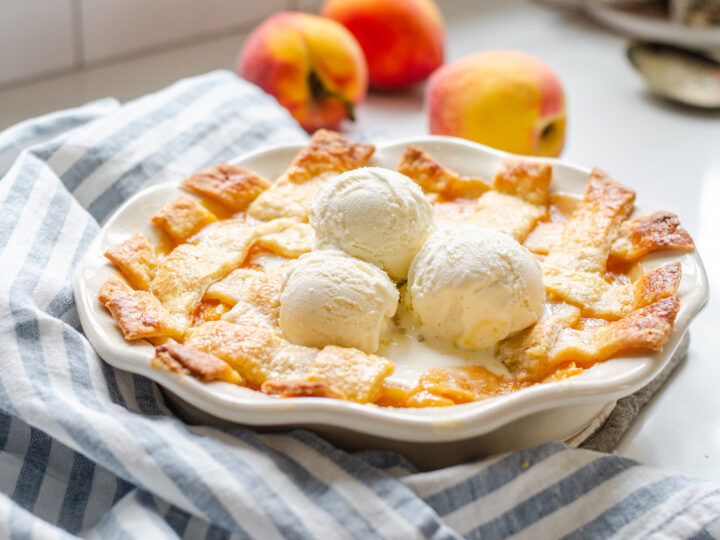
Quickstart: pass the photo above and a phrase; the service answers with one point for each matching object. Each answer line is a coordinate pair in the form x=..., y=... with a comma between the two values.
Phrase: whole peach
x=402, y=39
x=505, y=99
x=312, y=65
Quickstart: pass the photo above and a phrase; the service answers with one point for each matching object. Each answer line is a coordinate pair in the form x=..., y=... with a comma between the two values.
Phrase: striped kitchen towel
x=87, y=450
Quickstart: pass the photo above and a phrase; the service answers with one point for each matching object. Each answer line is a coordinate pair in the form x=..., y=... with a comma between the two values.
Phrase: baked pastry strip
x=467, y=383
x=356, y=374
x=637, y=237
x=547, y=234
x=328, y=151
x=338, y=372
x=231, y=186
x=529, y=180
x=254, y=295
x=138, y=313
x=136, y=260
x=598, y=298
x=182, y=277
x=287, y=199
x=433, y=177
x=504, y=213
x=261, y=287
x=645, y=234
x=292, y=242
x=237, y=235
x=507, y=214
x=114, y=287
x=190, y=361
x=644, y=329
x=182, y=218
x=543, y=237
x=257, y=354
x=327, y=154
x=526, y=354
x=586, y=239
x=301, y=389
x=261, y=355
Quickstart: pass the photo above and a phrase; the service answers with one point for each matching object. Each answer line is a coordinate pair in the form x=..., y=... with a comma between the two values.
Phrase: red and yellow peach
x=312, y=65
x=505, y=99
x=402, y=39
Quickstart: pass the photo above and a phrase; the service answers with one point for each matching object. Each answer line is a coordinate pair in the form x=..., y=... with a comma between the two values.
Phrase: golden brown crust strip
x=255, y=286
x=237, y=235
x=327, y=154
x=256, y=353
x=466, y=188
x=529, y=180
x=644, y=329
x=286, y=199
x=598, y=298
x=585, y=242
x=182, y=277
x=182, y=218
x=543, y=237
x=504, y=213
x=297, y=239
x=190, y=361
x=136, y=260
x=466, y=383
x=645, y=234
x=138, y=313
x=525, y=354
x=637, y=237
x=588, y=291
x=656, y=285
x=114, y=287
x=301, y=389
x=254, y=295
x=356, y=374
x=420, y=166
x=231, y=186
x=432, y=177
x=261, y=355
x=328, y=151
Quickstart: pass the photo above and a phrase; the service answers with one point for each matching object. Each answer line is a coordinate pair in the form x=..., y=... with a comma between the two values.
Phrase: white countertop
x=671, y=156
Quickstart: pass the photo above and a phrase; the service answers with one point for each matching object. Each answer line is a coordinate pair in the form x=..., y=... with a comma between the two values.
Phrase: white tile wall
x=42, y=36
x=118, y=27
x=36, y=36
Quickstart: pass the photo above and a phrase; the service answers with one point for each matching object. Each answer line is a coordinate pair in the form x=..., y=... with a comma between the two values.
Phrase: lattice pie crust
x=210, y=306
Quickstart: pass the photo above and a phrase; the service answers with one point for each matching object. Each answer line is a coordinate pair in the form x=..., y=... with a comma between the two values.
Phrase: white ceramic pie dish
x=429, y=436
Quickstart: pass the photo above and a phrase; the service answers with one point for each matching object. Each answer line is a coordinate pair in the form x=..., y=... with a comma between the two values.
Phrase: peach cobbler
x=411, y=287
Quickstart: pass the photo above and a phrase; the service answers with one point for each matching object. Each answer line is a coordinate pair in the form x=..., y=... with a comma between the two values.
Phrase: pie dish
x=572, y=401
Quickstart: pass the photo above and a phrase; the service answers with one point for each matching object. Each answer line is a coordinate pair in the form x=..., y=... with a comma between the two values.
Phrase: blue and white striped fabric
x=90, y=451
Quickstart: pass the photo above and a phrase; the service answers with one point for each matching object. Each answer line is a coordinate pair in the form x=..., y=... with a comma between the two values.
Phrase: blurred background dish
x=678, y=74
x=642, y=21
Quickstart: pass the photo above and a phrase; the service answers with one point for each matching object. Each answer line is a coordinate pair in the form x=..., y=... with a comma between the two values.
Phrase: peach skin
x=402, y=39
x=505, y=99
x=312, y=65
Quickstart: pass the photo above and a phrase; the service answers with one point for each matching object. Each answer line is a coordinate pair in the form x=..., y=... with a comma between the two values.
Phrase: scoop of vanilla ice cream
x=375, y=214
x=474, y=286
x=329, y=298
